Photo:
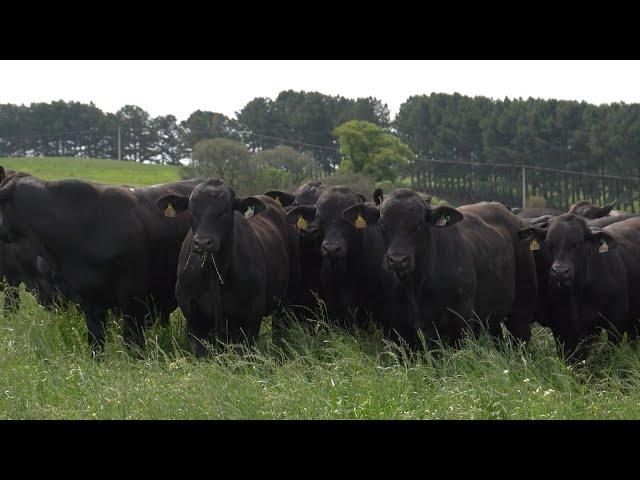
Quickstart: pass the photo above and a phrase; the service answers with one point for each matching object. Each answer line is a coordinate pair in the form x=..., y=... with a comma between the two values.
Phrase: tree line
x=430, y=132
x=75, y=129
x=557, y=134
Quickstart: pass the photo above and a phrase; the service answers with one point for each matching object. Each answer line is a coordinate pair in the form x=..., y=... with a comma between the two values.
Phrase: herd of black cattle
x=421, y=272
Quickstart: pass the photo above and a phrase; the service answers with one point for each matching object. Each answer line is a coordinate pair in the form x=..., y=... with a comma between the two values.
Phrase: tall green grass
x=320, y=373
x=94, y=170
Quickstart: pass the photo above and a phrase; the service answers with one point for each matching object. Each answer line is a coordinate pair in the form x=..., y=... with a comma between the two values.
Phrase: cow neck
x=39, y=208
x=356, y=255
x=427, y=259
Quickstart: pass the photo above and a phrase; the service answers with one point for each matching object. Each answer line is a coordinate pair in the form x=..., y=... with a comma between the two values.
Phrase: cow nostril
x=560, y=270
x=398, y=261
x=330, y=248
x=203, y=243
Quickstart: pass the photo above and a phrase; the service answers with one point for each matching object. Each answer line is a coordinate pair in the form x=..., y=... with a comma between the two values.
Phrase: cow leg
x=460, y=319
x=519, y=325
x=524, y=307
x=248, y=331
x=198, y=327
x=279, y=323
x=198, y=338
x=96, y=328
x=133, y=326
x=494, y=328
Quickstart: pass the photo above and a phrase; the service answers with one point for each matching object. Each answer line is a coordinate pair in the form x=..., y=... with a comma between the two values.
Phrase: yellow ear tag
x=277, y=199
x=169, y=211
x=302, y=223
x=534, y=245
x=360, y=221
x=604, y=248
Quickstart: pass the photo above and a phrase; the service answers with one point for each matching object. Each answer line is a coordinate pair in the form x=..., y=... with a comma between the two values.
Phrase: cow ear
x=534, y=235
x=427, y=199
x=606, y=209
x=302, y=216
x=6, y=192
x=361, y=215
x=283, y=198
x=361, y=197
x=243, y=204
x=172, y=205
x=378, y=196
x=443, y=216
x=602, y=239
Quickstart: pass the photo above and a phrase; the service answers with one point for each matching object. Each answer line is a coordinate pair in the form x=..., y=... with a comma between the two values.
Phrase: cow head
x=586, y=209
x=406, y=222
x=283, y=198
x=569, y=244
x=306, y=194
x=212, y=207
x=336, y=234
x=11, y=226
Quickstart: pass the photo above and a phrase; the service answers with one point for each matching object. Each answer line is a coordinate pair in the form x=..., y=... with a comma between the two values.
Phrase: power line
x=335, y=149
x=530, y=167
x=91, y=131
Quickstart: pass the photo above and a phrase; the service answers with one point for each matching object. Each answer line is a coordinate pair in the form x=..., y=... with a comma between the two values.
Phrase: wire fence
x=522, y=185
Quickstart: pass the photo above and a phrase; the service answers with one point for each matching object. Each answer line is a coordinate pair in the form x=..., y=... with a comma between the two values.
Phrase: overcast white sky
x=180, y=87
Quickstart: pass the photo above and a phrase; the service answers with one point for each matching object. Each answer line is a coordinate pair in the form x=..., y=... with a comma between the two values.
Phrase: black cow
x=106, y=247
x=585, y=275
x=351, y=273
x=232, y=269
x=18, y=264
x=451, y=263
x=586, y=209
x=610, y=219
x=306, y=194
x=310, y=242
x=538, y=212
x=583, y=208
x=543, y=260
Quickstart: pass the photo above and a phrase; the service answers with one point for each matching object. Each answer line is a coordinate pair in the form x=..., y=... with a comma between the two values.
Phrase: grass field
x=94, y=170
x=46, y=371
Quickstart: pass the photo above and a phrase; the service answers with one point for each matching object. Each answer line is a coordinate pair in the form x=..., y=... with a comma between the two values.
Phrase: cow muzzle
x=561, y=275
x=400, y=264
x=332, y=250
x=204, y=244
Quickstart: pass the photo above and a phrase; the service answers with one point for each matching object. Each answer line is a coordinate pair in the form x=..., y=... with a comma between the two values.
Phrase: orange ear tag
x=169, y=211
x=302, y=223
x=534, y=245
x=360, y=221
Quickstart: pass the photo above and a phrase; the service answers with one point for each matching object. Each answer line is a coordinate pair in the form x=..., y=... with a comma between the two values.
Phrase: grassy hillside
x=94, y=170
